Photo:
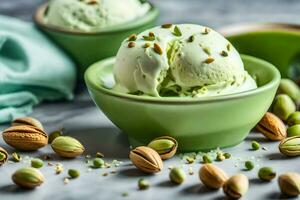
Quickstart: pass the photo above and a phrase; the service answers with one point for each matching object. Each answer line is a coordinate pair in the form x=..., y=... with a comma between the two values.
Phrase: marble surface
x=82, y=120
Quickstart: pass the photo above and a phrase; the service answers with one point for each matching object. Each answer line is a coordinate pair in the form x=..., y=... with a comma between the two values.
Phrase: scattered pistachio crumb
x=59, y=168
x=105, y=174
x=191, y=38
x=151, y=34
x=16, y=157
x=206, y=50
x=209, y=60
x=146, y=45
x=224, y=54
x=131, y=44
x=228, y=47
x=149, y=38
x=47, y=157
x=206, y=31
x=190, y=160
x=166, y=25
x=157, y=49
x=50, y=164
x=206, y=159
x=66, y=180
x=191, y=171
x=125, y=194
x=177, y=31
x=264, y=148
x=227, y=155
x=170, y=167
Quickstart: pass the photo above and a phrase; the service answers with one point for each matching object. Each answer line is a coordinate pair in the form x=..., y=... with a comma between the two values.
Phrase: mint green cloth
x=32, y=69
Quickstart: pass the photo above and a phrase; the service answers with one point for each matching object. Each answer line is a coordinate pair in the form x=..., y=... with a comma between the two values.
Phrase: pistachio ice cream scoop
x=180, y=60
x=93, y=15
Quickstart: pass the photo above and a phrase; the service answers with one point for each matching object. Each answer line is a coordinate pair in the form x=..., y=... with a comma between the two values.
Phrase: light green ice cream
x=93, y=15
x=195, y=61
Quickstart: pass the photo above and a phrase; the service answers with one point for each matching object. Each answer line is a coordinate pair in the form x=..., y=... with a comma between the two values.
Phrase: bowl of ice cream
x=90, y=30
x=185, y=81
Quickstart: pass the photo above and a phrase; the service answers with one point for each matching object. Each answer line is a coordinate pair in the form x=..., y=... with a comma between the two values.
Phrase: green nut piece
x=290, y=146
x=283, y=106
x=16, y=157
x=143, y=184
x=165, y=146
x=66, y=146
x=37, y=163
x=177, y=175
x=294, y=118
x=249, y=165
x=28, y=177
x=293, y=130
x=98, y=163
x=266, y=173
x=73, y=173
x=227, y=155
x=220, y=156
x=54, y=135
x=289, y=88
x=206, y=159
x=3, y=156
x=255, y=145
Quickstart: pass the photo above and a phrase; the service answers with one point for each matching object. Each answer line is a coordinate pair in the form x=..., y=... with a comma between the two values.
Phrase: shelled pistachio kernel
x=98, y=163
x=293, y=118
x=165, y=146
x=73, y=173
x=266, y=173
x=220, y=156
x=16, y=157
x=177, y=175
x=132, y=37
x=283, y=106
x=227, y=155
x=249, y=165
x=190, y=159
x=143, y=184
x=131, y=44
x=293, y=130
x=54, y=135
x=166, y=25
x=206, y=159
x=37, y=163
x=255, y=145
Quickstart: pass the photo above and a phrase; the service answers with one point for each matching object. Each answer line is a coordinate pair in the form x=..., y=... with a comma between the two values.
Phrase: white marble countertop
x=82, y=120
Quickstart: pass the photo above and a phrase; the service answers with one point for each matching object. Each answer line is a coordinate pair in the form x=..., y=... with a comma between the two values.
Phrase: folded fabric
x=32, y=69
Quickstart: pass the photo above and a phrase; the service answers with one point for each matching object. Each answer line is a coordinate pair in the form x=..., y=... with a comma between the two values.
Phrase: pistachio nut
x=290, y=146
x=271, y=127
x=54, y=135
x=266, y=173
x=293, y=130
x=25, y=137
x=249, y=165
x=30, y=121
x=206, y=159
x=236, y=186
x=289, y=88
x=37, y=163
x=143, y=184
x=177, y=175
x=98, y=163
x=212, y=176
x=3, y=156
x=146, y=159
x=66, y=146
x=255, y=145
x=293, y=118
x=283, y=106
x=289, y=183
x=16, y=157
x=73, y=173
x=165, y=146
x=28, y=177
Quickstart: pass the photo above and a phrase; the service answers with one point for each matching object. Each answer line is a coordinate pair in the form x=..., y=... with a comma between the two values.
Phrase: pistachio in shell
x=290, y=146
x=290, y=88
x=67, y=146
x=212, y=176
x=28, y=177
x=236, y=186
x=289, y=183
x=30, y=121
x=165, y=146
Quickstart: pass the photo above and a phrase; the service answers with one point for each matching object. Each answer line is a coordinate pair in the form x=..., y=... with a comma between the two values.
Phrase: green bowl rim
x=91, y=82
x=151, y=15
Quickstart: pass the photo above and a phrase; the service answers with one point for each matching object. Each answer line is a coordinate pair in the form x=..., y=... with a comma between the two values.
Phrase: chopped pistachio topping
x=191, y=38
x=177, y=31
x=92, y=2
x=133, y=37
x=131, y=44
x=206, y=31
x=146, y=45
x=209, y=60
x=206, y=50
x=224, y=54
x=151, y=34
x=16, y=157
x=166, y=25
x=157, y=49
x=228, y=47
x=105, y=174
x=148, y=38
x=99, y=155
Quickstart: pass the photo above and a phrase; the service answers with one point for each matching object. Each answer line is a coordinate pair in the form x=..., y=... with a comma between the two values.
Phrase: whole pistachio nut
x=28, y=177
x=293, y=118
x=98, y=163
x=177, y=175
x=283, y=106
x=212, y=176
x=289, y=183
x=272, y=127
x=146, y=159
x=236, y=186
x=290, y=146
x=73, y=173
x=165, y=146
x=25, y=137
x=293, y=130
x=37, y=163
x=266, y=173
x=143, y=184
x=3, y=156
x=66, y=146
x=30, y=121
x=289, y=88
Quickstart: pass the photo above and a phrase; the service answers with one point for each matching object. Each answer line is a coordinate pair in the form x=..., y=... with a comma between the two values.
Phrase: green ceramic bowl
x=205, y=124
x=274, y=42
x=88, y=48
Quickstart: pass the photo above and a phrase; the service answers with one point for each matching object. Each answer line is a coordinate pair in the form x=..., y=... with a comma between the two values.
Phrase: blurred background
x=214, y=13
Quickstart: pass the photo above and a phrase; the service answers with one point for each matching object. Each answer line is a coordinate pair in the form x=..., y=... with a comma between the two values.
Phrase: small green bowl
x=88, y=48
x=276, y=43
x=197, y=124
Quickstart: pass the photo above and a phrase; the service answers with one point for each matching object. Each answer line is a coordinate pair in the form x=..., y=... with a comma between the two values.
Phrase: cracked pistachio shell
x=289, y=88
x=272, y=127
x=212, y=176
x=290, y=146
x=165, y=146
x=28, y=121
x=25, y=137
x=236, y=186
x=28, y=177
x=146, y=159
x=3, y=156
x=283, y=106
x=289, y=183
x=66, y=146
